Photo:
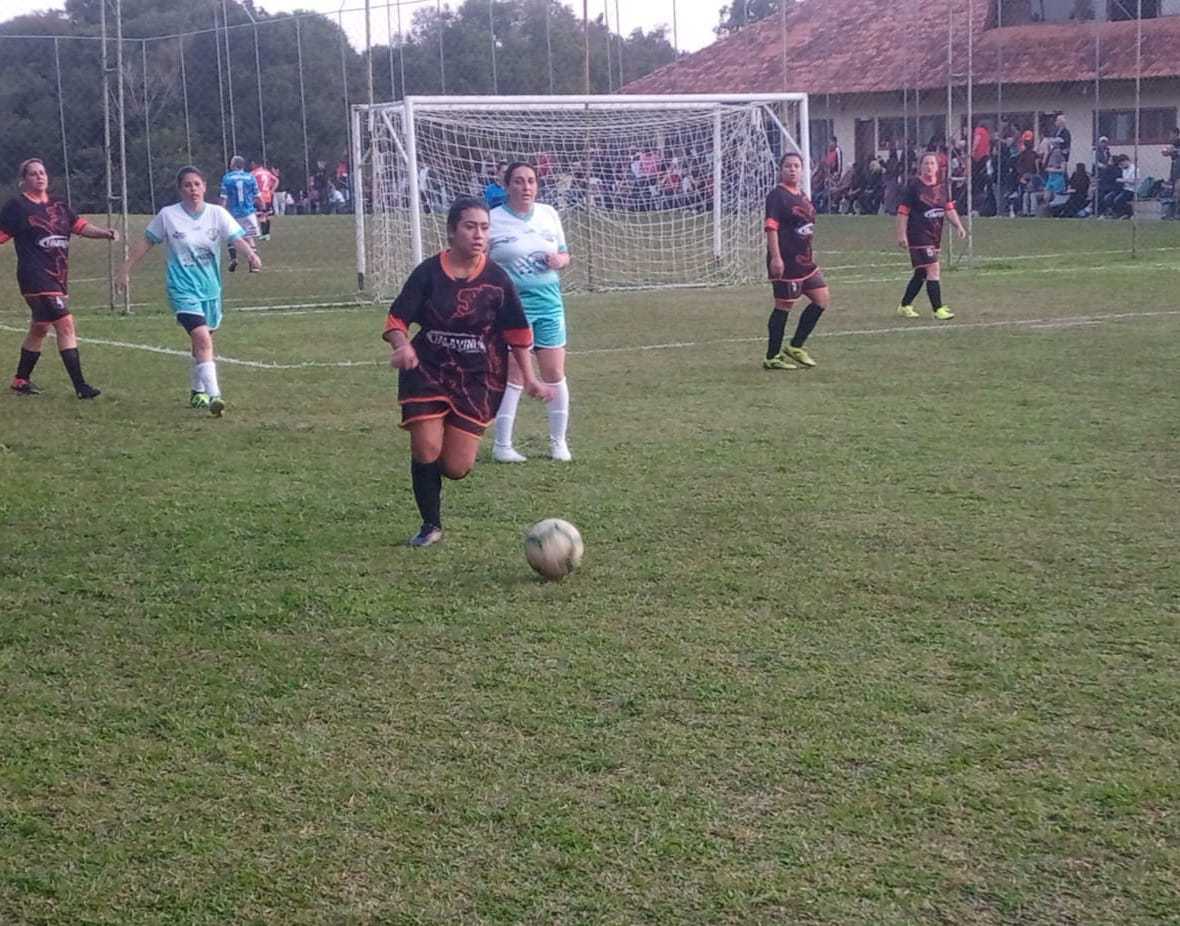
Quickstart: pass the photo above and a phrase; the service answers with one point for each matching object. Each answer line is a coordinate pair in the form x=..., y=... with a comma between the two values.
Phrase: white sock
x=207, y=371
x=506, y=416
x=194, y=377
x=559, y=411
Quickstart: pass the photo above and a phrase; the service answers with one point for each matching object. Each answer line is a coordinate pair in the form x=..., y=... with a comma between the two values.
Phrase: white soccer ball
x=554, y=548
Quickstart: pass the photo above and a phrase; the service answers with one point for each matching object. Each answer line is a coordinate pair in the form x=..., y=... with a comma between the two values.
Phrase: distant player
x=193, y=231
x=452, y=374
x=920, y=215
x=40, y=228
x=267, y=182
x=790, y=227
x=529, y=242
x=240, y=195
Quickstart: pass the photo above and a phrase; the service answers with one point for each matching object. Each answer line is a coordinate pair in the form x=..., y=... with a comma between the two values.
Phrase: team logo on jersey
x=460, y=343
x=936, y=213
x=806, y=231
x=467, y=299
x=178, y=236
x=54, y=241
x=213, y=234
x=536, y=262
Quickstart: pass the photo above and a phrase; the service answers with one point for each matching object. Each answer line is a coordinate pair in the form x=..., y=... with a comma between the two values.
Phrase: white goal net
x=652, y=192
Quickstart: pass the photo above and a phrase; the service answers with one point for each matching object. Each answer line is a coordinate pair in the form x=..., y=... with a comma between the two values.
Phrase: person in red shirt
x=267, y=182
x=40, y=227
x=919, y=230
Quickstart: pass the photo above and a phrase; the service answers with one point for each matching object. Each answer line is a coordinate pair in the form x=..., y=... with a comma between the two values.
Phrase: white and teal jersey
x=194, y=245
x=521, y=244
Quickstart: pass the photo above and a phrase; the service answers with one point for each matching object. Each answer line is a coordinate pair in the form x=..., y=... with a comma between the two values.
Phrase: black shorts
x=787, y=291
x=924, y=256
x=414, y=410
x=190, y=321
x=48, y=307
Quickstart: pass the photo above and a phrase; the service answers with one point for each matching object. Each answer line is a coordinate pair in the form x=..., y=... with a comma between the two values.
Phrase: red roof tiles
x=870, y=46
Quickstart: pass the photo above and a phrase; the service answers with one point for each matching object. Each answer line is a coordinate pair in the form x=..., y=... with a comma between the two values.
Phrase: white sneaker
x=502, y=454
x=559, y=450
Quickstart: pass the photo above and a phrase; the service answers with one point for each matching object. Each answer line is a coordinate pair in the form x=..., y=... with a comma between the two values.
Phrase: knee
x=40, y=329
x=64, y=326
x=456, y=471
x=920, y=273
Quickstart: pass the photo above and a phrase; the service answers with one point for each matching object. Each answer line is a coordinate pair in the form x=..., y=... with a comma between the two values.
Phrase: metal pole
x=122, y=139
x=442, y=58
x=414, y=191
x=675, y=31
x=805, y=142
x=783, y=26
x=950, y=41
x=389, y=49
x=971, y=131
x=106, y=147
x=717, y=179
x=610, y=71
x=258, y=77
x=492, y=33
x=401, y=49
x=358, y=200
x=147, y=128
x=1097, y=113
x=229, y=79
x=61, y=114
x=220, y=89
x=188, y=134
x=548, y=46
x=303, y=110
x=1000, y=191
x=344, y=78
x=1138, y=101
x=369, y=54
x=622, y=43
x=586, y=46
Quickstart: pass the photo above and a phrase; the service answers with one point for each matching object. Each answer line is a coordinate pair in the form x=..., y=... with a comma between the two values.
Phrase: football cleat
x=216, y=406
x=427, y=535
x=799, y=355
x=559, y=450
x=24, y=386
x=506, y=454
x=943, y=313
x=907, y=311
x=86, y=391
x=778, y=362
x=233, y=265
x=198, y=400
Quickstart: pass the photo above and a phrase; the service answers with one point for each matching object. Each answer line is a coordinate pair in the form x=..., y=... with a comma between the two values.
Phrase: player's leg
x=934, y=291
x=203, y=376
x=549, y=337
x=30, y=353
x=426, y=444
x=67, y=345
x=785, y=295
x=817, y=290
x=917, y=281
x=502, y=449
x=460, y=444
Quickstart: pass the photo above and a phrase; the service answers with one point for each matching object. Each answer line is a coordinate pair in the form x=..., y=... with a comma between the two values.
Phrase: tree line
x=539, y=48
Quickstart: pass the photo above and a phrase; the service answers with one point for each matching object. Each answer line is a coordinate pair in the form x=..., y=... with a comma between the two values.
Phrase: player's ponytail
x=458, y=207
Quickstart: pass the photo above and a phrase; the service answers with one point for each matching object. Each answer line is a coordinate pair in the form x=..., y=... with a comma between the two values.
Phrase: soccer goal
x=653, y=191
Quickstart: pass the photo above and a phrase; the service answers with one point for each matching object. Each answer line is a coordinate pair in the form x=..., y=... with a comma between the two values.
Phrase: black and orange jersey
x=40, y=231
x=466, y=326
x=925, y=206
x=791, y=215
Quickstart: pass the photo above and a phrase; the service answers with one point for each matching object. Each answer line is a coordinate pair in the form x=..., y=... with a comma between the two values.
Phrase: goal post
x=653, y=191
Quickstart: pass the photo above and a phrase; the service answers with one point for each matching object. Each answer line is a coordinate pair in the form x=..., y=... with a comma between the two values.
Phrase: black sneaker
x=429, y=534
x=233, y=265
x=86, y=391
x=25, y=387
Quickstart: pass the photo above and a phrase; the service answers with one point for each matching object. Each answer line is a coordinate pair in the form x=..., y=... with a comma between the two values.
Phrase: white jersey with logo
x=521, y=244
x=194, y=243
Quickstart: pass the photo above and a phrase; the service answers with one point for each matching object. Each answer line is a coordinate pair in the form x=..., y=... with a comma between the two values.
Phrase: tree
x=741, y=13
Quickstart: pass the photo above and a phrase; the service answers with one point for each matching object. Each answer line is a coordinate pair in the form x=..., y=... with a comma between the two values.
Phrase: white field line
x=1031, y=324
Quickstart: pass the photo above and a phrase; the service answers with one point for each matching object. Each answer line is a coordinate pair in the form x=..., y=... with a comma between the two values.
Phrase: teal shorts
x=548, y=331
x=208, y=309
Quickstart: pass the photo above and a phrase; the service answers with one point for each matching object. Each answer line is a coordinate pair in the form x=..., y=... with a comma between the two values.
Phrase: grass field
x=892, y=641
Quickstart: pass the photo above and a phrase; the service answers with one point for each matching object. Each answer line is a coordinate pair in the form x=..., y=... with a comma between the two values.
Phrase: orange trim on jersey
x=950, y=206
x=426, y=398
x=903, y=210
x=445, y=259
x=518, y=337
x=79, y=226
x=5, y=237
x=795, y=279
x=771, y=225
x=26, y=295
x=393, y=323
x=409, y=421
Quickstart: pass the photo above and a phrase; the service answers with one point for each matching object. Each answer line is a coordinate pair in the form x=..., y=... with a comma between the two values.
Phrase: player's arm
x=532, y=386
x=243, y=243
x=561, y=259
x=402, y=313
x=84, y=229
x=953, y=214
x=138, y=252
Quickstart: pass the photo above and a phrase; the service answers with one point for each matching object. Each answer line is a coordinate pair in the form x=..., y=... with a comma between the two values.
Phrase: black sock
x=776, y=326
x=73, y=364
x=807, y=320
x=233, y=253
x=934, y=291
x=28, y=360
x=266, y=227
x=913, y=288
x=427, y=479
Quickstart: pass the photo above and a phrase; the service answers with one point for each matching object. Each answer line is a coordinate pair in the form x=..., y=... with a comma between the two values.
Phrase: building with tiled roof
x=877, y=70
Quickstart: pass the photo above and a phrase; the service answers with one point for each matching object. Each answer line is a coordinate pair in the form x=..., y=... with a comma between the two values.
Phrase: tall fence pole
x=970, y=152
x=548, y=45
x=442, y=56
x=122, y=139
x=106, y=147
x=229, y=78
x=950, y=109
x=492, y=34
x=147, y=128
x=622, y=42
x=1138, y=104
x=61, y=114
x=221, y=90
x=303, y=111
x=258, y=77
x=188, y=131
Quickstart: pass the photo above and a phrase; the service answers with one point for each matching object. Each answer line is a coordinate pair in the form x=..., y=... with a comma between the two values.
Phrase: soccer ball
x=553, y=547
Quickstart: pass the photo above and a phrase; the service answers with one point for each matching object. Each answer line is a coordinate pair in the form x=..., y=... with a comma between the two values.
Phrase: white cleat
x=559, y=450
x=507, y=454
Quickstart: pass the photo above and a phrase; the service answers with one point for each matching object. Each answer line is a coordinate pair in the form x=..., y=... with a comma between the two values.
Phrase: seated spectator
x=1079, y=195
x=1120, y=202
x=494, y=193
x=871, y=194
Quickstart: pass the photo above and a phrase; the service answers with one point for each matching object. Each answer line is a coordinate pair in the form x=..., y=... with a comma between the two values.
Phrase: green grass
x=892, y=641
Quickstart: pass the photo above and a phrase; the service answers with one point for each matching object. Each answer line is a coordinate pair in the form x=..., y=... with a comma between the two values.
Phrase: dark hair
x=790, y=154
x=458, y=207
x=514, y=167
x=185, y=171
x=25, y=165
